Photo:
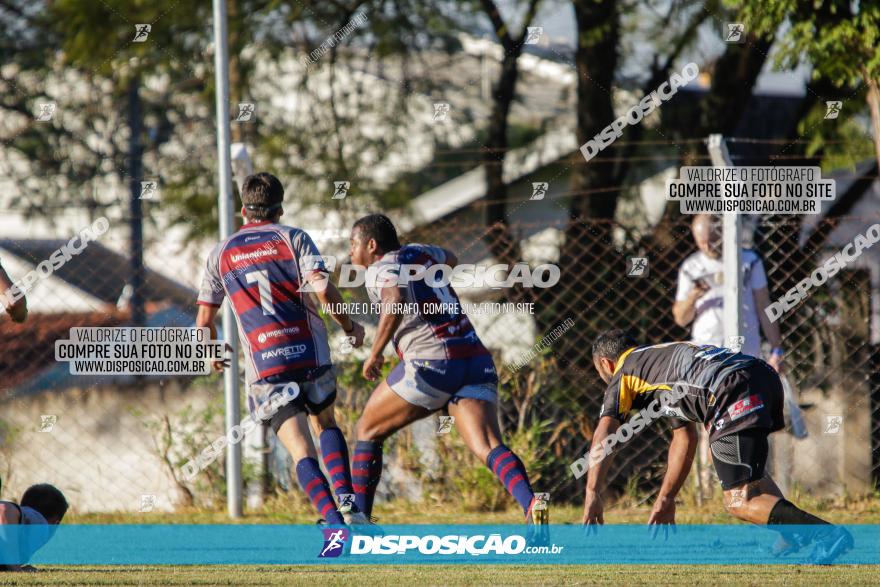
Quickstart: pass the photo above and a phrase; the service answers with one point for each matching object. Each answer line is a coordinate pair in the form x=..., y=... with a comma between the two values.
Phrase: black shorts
x=740, y=458
x=748, y=398
x=300, y=404
x=317, y=391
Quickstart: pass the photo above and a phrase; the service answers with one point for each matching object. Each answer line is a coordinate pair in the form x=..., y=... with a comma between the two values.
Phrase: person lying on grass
x=41, y=504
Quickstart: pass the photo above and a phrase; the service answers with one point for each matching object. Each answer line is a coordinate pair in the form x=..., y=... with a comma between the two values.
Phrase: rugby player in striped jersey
x=263, y=270
x=443, y=363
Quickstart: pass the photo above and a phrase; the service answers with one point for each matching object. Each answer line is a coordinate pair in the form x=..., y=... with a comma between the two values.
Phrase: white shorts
x=432, y=383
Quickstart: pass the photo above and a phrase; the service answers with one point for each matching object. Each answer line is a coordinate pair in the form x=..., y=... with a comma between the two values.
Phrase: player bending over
x=443, y=363
x=738, y=398
x=263, y=269
x=41, y=504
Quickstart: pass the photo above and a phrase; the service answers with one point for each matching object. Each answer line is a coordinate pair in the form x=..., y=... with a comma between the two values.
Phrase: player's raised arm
x=681, y=456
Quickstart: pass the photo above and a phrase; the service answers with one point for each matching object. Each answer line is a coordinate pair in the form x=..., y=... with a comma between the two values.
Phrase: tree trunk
x=503, y=245
x=874, y=106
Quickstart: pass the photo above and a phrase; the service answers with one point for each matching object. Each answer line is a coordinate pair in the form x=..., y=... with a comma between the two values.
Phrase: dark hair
x=379, y=228
x=612, y=343
x=46, y=499
x=261, y=196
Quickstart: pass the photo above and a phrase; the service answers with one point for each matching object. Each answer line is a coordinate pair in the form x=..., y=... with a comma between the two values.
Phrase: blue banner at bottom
x=434, y=544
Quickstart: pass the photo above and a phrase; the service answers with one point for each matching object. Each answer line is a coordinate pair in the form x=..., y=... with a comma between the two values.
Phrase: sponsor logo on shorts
x=744, y=406
x=429, y=366
x=264, y=336
x=287, y=352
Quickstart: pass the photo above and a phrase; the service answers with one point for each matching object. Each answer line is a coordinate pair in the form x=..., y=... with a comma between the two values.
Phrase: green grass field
x=452, y=575
x=292, y=509
x=841, y=510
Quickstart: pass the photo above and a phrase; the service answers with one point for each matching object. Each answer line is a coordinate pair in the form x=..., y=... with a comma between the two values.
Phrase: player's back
x=685, y=362
x=429, y=333
x=262, y=268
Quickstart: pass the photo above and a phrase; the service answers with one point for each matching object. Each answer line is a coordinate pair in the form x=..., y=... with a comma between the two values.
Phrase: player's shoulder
x=292, y=231
x=693, y=261
x=216, y=249
x=31, y=516
x=294, y=234
x=420, y=252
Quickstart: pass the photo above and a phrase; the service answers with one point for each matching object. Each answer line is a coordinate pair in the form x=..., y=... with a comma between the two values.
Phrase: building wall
x=99, y=453
x=832, y=460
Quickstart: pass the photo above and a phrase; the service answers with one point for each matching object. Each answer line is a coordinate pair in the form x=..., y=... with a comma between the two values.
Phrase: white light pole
x=224, y=175
x=731, y=259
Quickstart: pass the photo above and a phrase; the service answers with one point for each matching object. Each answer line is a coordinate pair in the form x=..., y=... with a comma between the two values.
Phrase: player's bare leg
x=753, y=502
x=294, y=434
x=477, y=422
x=761, y=502
x=385, y=413
x=323, y=420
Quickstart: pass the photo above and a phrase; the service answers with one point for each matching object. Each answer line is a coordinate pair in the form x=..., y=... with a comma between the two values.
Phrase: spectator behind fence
x=699, y=298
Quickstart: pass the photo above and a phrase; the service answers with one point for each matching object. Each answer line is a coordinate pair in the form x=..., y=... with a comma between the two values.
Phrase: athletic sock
x=366, y=469
x=335, y=454
x=313, y=482
x=510, y=470
x=786, y=513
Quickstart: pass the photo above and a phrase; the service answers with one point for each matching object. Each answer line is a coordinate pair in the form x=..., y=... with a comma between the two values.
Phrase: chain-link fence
x=118, y=443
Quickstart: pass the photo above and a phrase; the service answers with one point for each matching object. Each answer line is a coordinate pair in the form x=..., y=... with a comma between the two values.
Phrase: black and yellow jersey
x=695, y=383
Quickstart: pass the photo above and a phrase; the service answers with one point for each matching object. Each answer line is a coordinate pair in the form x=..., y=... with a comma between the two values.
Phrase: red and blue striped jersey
x=426, y=334
x=261, y=269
